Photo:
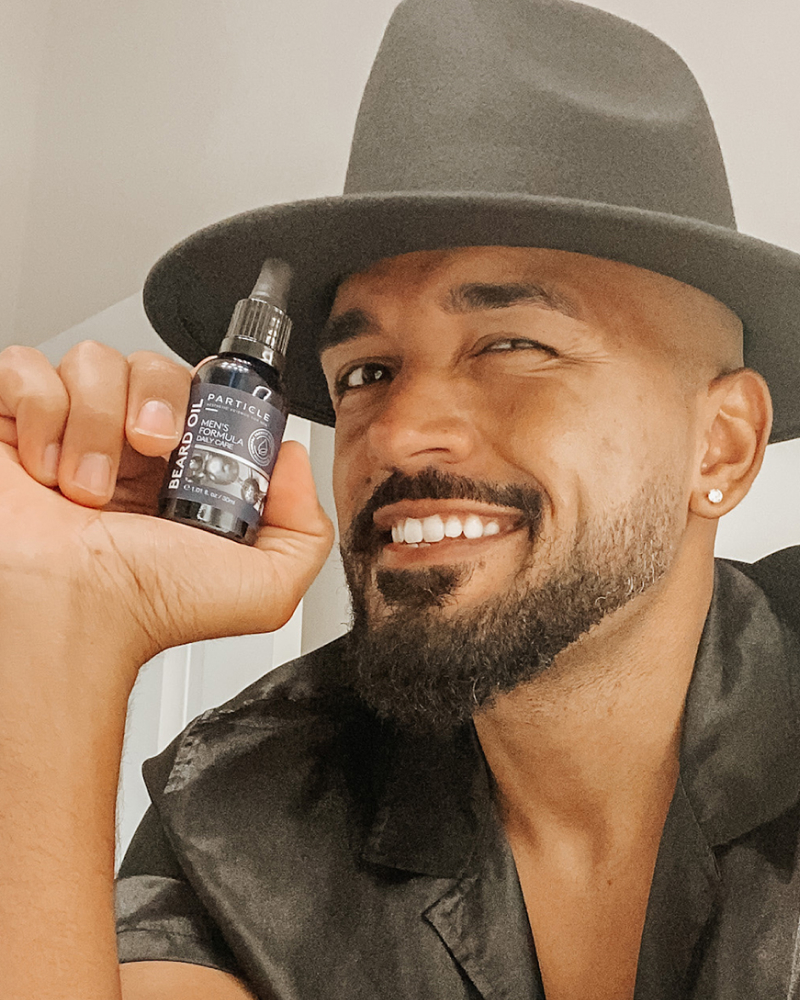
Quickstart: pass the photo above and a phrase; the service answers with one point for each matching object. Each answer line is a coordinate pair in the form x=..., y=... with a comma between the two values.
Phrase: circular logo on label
x=261, y=445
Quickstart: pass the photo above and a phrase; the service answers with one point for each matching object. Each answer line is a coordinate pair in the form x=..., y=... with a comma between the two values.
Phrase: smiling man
x=527, y=446
x=501, y=487
x=558, y=753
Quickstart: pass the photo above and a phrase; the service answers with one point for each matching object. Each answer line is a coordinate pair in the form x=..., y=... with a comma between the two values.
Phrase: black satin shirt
x=317, y=854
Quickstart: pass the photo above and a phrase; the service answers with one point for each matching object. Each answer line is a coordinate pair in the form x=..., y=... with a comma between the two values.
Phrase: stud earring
x=715, y=496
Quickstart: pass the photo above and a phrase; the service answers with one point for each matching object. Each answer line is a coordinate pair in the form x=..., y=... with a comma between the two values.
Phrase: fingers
x=69, y=425
x=33, y=410
x=158, y=395
x=96, y=379
x=197, y=585
x=292, y=498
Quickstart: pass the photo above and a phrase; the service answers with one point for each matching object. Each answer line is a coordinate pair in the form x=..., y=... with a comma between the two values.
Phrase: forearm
x=62, y=716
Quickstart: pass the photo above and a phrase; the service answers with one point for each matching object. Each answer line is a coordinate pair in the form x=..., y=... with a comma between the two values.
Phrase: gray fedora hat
x=538, y=123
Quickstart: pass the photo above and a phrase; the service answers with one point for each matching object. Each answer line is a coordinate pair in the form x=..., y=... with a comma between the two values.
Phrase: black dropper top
x=260, y=326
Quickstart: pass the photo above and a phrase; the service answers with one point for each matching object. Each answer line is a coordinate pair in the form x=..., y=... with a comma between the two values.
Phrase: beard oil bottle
x=218, y=476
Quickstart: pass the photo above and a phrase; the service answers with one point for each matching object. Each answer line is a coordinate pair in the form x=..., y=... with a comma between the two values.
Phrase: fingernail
x=157, y=419
x=50, y=461
x=94, y=473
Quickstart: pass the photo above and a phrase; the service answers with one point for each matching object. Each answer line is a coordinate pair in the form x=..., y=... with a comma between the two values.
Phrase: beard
x=429, y=668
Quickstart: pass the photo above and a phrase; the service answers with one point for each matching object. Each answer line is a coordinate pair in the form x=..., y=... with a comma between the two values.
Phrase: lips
x=437, y=504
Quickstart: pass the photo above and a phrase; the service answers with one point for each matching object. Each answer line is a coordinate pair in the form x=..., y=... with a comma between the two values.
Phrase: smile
x=443, y=524
x=433, y=529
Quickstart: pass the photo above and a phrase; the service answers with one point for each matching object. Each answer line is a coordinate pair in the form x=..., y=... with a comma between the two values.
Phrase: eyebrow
x=479, y=296
x=468, y=298
x=347, y=326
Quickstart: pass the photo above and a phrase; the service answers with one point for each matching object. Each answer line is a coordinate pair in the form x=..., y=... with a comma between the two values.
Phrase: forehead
x=431, y=271
x=426, y=270
x=628, y=306
x=621, y=300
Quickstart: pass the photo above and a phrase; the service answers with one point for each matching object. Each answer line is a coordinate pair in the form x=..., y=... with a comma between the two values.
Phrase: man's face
x=516, y=432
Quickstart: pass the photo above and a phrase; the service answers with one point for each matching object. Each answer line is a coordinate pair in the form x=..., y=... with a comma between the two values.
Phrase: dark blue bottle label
x=227, y=452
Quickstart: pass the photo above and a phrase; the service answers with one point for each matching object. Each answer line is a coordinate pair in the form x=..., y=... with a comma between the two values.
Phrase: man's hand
x=92, y=586
x=82, y=458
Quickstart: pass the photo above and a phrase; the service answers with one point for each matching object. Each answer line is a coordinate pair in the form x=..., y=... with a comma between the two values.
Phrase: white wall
x=22, y=30
x=131, y=123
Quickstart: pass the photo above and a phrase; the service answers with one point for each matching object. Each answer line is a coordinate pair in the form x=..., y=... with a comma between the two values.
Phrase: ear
x=736, y=428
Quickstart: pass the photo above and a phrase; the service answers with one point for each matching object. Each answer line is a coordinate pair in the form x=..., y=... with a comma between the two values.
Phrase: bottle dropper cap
x=260, y=326
x=273, y=283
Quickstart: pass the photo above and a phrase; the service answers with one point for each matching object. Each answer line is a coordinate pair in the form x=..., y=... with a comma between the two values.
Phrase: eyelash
x=520, y=343
x=515, y=343
x=341, y=383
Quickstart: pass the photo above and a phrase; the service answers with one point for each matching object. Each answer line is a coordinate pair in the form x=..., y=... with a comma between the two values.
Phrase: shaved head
x=704, y=338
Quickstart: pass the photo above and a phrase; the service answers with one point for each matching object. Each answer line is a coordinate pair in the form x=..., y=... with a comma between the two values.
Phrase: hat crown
x=540, y=97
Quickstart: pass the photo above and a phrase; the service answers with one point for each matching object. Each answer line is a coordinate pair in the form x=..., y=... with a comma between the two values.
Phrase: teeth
x=452, y=527
x=473, y=527
x=412, y=530
x=433, y=529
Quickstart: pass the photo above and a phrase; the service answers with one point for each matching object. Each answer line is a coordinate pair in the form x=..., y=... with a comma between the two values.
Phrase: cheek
x=350, y=477
x=645, y=441
x=542, y=425
x=604, y=439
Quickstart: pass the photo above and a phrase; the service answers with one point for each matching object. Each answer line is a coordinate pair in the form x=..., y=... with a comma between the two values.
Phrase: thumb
x=293, y=542
x=292, y=502
x=222, y=588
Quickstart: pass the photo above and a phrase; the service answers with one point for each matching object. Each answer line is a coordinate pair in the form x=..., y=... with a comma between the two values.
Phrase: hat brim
x=191, y=291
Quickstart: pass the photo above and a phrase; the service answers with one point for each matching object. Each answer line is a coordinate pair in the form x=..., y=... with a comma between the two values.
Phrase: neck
x=587, y=753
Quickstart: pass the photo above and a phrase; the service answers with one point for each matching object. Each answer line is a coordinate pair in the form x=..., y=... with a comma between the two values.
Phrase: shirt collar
x=435, y=805
x=740, y=753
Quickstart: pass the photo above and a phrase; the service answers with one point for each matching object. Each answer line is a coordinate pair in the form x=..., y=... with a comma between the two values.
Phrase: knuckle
x=89, y=354
x=151, y=358
x=50, y=404
x=150, y=364
x=16, y=352
x=101, y=417
x=18, y=356
x=29, y=383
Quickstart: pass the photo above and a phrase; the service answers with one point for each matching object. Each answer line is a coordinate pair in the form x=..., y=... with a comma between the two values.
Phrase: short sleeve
x=158, y=914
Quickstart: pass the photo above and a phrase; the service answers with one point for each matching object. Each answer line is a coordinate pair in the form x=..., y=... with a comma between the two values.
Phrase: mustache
x=434, y=484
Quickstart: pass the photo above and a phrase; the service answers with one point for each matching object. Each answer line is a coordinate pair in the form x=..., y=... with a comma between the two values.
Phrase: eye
x=517, y=344
x=359, y=376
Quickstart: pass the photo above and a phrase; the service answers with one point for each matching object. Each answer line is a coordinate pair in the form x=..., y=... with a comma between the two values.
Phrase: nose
x=424, y=419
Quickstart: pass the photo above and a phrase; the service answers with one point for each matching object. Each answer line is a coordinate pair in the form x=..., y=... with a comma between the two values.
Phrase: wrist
x=62, y=681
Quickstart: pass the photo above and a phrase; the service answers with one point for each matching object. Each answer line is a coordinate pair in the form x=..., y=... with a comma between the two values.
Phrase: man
x=557, y=753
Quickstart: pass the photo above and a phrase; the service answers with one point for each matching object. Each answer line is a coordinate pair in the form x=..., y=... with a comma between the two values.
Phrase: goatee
x=431, y=668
